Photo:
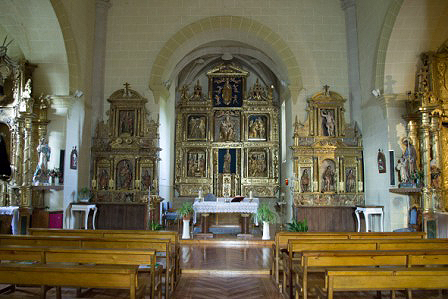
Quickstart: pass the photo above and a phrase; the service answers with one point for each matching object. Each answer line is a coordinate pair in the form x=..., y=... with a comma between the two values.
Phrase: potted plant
x=297, y=226
x=153, y=225
x=265, y=214
x=84, y=194
x=185, y=212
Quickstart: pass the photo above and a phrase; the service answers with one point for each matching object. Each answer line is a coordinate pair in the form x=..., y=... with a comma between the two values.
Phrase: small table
x=83, y=208
x=369, y=210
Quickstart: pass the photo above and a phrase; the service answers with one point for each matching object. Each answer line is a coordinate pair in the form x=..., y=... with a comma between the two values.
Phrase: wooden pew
x=383, y=279
x=282, y=238
x=133, y=234
x=296, y=247
x=160, y=245
x=91, y=276
x=314, y=263
x=46, y=255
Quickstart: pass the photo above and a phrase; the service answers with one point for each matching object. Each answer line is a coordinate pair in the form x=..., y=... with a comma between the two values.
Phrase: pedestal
x=245, y=228
x=266, y=234
x=186, y=229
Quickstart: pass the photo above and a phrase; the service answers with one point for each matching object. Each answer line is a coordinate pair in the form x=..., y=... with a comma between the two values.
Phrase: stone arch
x=223, y=27
x=385, y=34
x=70, y=44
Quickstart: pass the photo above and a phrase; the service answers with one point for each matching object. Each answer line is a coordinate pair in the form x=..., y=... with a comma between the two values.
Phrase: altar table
x=14, y=211
x=222, y=205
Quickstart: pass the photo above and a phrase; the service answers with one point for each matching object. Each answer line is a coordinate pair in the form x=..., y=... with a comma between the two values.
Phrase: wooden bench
x=46, y=255
x=383, y=279
x=309, y=273
x=160, y=245
x=296, y=247
x=104, y=233
x=282, y=238
x=91, y=276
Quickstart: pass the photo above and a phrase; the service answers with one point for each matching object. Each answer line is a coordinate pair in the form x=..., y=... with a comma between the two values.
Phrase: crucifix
x=126, y=89
x=327, y=90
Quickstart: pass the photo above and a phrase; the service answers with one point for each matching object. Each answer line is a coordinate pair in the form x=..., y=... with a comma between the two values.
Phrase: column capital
x=104, y=4
x=347, y=4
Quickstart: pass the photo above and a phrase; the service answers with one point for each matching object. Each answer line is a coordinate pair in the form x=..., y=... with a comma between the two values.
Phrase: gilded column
x=428, y=205
x=18, y=152
x=444, y=164
x=26, y=165
x=435, y=150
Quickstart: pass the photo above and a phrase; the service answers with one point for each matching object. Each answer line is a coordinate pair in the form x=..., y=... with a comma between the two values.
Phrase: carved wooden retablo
x=227, y=139
x=327, y=155
x=125, y=151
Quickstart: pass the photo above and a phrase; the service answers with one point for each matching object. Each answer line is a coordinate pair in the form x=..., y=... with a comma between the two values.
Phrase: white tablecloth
x=14, y=211
x=220, y=206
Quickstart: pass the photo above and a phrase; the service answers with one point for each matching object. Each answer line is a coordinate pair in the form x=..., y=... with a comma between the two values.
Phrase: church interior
x=226, y=145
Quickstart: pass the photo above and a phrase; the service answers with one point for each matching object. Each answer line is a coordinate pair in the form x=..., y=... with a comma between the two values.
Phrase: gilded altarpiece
x=227, y=138
x=327, y=155
x=125, y=152
x=427, y=120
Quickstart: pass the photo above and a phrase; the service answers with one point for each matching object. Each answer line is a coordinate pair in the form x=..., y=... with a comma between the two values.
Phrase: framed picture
x=381, y=161
x=197, y=163
x=126, y=122
x=197, y=127
x=74, y=158
x=257, y=163
x=257, y=125
x=227, y=126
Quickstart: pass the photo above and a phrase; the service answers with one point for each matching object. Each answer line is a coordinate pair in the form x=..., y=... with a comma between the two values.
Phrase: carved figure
x=328, y=122
x=146, y=180
x=125, y=175
x=197, y=94
x=305, y=181
x=410, y=157
x=257, y=165
x=227, y=130
x=201, y=166
x=226, y=163
x=103, y=183
x=350, y=181
x=257, y=128
x=191, y=165
x=126, y=122
x=402, y=171
x=44, y=151
x=27, y=90
x=197, y=127
x=328, y=179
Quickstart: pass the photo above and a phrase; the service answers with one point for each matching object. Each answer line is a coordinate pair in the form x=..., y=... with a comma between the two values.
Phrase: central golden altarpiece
x=227, y=139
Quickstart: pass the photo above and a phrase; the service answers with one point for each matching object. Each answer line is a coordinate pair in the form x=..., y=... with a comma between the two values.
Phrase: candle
x=250, y=194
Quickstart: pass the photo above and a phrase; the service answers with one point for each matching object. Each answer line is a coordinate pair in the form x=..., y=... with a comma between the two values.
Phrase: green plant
x=84, y=193
x=264, y=213
x=297, y=226
x=153, y=225
x=186, y=210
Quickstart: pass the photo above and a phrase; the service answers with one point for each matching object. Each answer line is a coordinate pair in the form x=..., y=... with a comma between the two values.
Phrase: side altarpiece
x=227, y=139
x=125, y=152
x=327, y=155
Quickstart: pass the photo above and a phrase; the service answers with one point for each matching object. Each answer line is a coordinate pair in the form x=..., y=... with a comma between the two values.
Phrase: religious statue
x=328, y=179
x=26, y=94
x=197, y=94
x=125, y=175
x=410, y=157
x=201, y=166
x=227, y=130
x=257, y=165
x=103, y=183
x=328, y=122
x=146, y=180
x=350, y=181
x=191, y=165
x=402, y=171
x=197, y=127
x=41, y=173
x=227, y=162
x=305, y=181
x=257, y=128
x=126, y=122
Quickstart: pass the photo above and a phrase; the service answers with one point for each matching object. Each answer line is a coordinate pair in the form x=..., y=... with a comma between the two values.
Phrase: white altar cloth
x=221, y=206
x=14, y=211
